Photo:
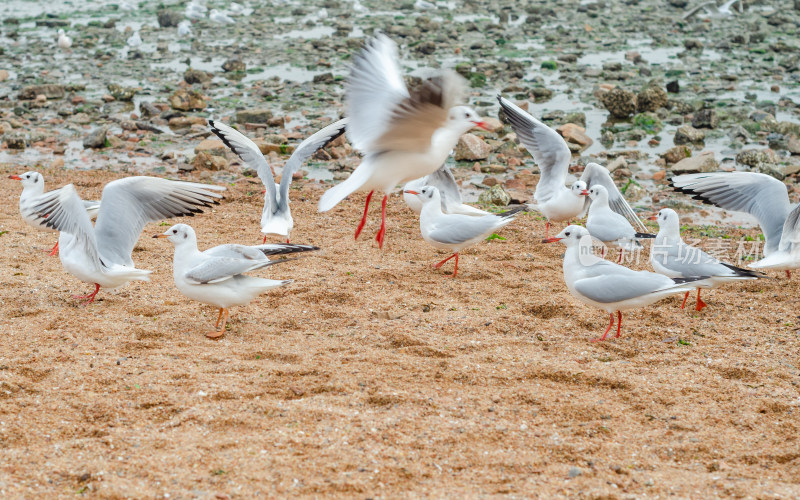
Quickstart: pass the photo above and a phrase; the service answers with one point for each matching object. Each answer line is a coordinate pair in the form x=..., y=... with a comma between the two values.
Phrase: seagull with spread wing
x=554, y=199
x=403, y=135
x=276, y=217
x=101, y=255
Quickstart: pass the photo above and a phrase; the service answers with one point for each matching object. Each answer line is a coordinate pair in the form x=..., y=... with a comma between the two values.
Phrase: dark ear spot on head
x=185, y=235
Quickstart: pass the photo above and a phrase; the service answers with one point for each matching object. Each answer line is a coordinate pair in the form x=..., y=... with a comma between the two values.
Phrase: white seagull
x=195, y=10
x=608, y=286
x=554, y=199
x=610, y=227
x=184, y=28
x=32, y=189
x=444, y=181
x=64, y=42
x=217, y=276
x=220, y=17
x=763, y=197
x=672, y=257
x=403, y=135
x=276, y=218
x=455, y=232
x=134, y=40
x=101, y=255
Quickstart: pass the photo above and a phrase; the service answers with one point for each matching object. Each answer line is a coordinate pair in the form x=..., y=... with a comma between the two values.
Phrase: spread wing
x=595, y=174
x=130, y=203
x=548, y=148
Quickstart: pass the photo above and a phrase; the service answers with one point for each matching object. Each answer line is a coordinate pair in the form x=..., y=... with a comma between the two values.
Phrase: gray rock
x=651, y=99
x=256, y=115
x=96, y=138
x=754, y=158
x=704, y=162
x=51, y=91
x=705, y=118
x=192, y=76
x=686, y=134
x=234, y=64
x=324, y=78
x=496, y=195
x=619, y=102
x=168, y=18
x=574, y=472
x=470, y=147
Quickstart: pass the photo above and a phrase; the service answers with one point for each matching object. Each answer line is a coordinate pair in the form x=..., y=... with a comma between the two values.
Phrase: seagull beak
x=482, y=125
x=161, y=236
x=653, y=217
x=584, y=193
x=551, y=240
x=15, y=177
x=408, y=191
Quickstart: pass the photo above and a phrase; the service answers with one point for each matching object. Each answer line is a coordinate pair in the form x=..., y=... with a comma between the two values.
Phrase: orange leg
x=684, y=299
x=364, y=217
x=605, y=334
x=440, y=264
x=218, y=318
x=547, y=230
x=54, y=250
x=90, y=297
x=219, y=333
x=382, y=232
x=700, y=303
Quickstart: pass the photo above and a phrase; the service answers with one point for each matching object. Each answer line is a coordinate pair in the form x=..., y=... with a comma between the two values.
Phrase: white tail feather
x=337, y=193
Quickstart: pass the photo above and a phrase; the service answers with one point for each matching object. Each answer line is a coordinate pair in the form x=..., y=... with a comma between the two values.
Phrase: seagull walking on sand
x=455, y=232
x=32, y=189
x=762, y=196
x=610, y=227
x=101, y=255
x=403, y=135
x=64, y=42
x=217, y=276
x=276, y=217
x=554, y=199
x=672, y=257
x=608, y=286
x=444, y=181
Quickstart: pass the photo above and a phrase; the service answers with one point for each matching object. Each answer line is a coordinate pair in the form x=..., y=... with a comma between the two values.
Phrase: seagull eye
x=174, y=231
x=566, y=234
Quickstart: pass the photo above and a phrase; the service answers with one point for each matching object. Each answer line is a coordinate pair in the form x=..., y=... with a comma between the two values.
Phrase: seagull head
x=579, y=188
x=179, y=234
x=465, y=118
x=668, y=220
x=29, y=179
x=571, y=235
x=426, y=194
x=598, y=192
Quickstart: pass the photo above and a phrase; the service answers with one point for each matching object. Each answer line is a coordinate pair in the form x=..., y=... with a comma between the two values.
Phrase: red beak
x=410, y=192
x=653, y=217
x=15, y=177
x=551, y=240
x=584, y=193
x=482, y=125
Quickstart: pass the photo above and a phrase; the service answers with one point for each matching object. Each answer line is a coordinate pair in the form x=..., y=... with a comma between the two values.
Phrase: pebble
x=470, y=147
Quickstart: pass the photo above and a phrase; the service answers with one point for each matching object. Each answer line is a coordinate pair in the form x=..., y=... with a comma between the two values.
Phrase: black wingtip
x=744, y=273
x=645, y=235
x=681, y=281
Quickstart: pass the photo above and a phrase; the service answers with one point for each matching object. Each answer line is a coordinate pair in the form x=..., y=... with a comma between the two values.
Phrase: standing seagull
x=101, y=255
x=761, y=196
x=276, y=218
x=454, y=232
x=672, y=257
x=216, y=276
x=64, y=42
x=605, y=285
x=403, y=135
x=443, y=180
x=554, y=199
x=32, y=189
x=610, y=227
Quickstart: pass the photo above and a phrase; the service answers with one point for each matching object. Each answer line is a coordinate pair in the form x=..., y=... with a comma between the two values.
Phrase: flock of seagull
x=405, y=136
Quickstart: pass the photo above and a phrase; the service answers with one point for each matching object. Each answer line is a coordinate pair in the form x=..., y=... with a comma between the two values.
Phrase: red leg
x=700, y=303
x=619, y=324
x=90, y=297
x=619, y=260
x=379, y=237
x=684, y=300
x=54, y=251
x=788, y=272
x=455, y=271
x=437, y=266
x=611, y=317
x=603, y=252
x=287, y=241
x=265, y=239
x=547, y=230
x=364, y=217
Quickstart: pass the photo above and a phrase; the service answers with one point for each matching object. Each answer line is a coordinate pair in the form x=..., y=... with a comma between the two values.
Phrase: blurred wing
x=303, y=152
x=595, y=174
x=760, y=195
x=790, y=238
x=130, y=203
x=63, y=210
x=445, y=182
x=249, y=152
x=548, y=148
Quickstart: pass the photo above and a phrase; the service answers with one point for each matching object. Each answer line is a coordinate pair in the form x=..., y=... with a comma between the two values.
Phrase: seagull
x=455, y=232
x=672, y=257
x=217, y=276
x=276, y=218
x=134, y=40
x=555, y=200
x=32, y=189
x=64, y=42
x=610, y=227
x=101, y=255
x=443, y=180
x=184, y=28
x=195, y=11
x=236, y=9
x=220, y=17
x=763, y=197
x=403, y=135
x=605, y=285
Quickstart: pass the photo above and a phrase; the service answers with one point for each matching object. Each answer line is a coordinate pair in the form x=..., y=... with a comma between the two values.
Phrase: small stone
x=192, y=76
x=676, y=154
x=211, y=146
x=15, y=141
x=619, y=102
x=325, y=78
x=754, y=158
x=692, y=44
x=168, y=18
x=4, y=75
x=793, y=145
x=96, y=139
x=234, y=64
x=470, y=147
x=209, y=162
x=575, y=134
x=178, y=122
x=616, y=163
x=256, y=115
x=41, y=99
x=121, y=93
x=492, y=124
x=574, y=472
x=186, y=100
x=652, y=99
x=705, y=118
x=673, y=87
x=51, y=91
x=496, y=195
x=704, y=162
x=659, y=175
x=686, y=134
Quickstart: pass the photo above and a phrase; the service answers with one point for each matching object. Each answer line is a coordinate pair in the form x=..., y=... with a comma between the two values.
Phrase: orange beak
x=15, y=177
x=584, y=193
x=482, y=125
x=653, y=217
x=410, y=192
x=160, y=236
x=551, y=240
